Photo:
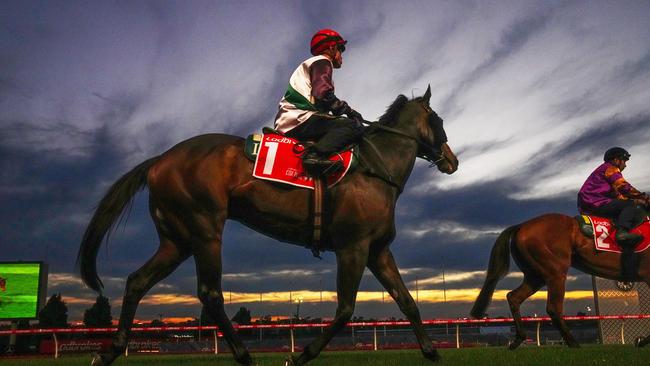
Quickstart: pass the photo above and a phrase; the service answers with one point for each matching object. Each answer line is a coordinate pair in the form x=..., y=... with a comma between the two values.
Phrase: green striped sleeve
x=294, y=97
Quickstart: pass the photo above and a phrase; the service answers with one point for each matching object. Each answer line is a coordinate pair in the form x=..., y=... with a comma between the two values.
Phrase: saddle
x=603, y=232
x=278, y=159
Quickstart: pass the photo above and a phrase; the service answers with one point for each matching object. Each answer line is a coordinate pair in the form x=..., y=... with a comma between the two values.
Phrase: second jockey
x=310, y=110
x=606, y=193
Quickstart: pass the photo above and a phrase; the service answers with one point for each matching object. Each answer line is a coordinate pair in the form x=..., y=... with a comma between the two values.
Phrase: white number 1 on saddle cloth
x=278, y=161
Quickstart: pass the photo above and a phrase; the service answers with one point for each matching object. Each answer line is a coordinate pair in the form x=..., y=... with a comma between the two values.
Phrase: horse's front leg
x=382, y=264
x=351, y=262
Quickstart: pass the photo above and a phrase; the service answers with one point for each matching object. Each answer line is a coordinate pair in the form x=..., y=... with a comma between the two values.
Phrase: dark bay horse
x=200, y=183
x=544, y=248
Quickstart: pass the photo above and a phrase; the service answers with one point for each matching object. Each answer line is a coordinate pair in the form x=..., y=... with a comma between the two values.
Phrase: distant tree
x=243, y=316
x=54, y=314
x=157, y=323
x=99, y=315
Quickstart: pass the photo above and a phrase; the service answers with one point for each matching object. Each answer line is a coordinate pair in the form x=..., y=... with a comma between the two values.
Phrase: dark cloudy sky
x=532, y=93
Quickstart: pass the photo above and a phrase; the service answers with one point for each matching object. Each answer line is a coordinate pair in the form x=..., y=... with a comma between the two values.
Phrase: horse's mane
x=390, y=116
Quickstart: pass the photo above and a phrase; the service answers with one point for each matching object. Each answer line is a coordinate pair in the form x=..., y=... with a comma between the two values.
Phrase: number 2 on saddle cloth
x=279, y=160
x=604, y=233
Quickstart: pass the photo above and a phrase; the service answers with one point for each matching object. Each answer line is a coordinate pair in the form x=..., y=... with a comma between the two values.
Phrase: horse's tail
x=109, y=210
x=497, y=269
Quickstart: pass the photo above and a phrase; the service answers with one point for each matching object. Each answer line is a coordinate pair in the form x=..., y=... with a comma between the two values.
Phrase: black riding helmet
x=616, y=153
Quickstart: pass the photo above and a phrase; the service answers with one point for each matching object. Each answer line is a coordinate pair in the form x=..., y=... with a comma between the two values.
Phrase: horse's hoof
x=432, y=356
x=98, y=360
x=637, y=342
x=290, y=361
x=512, y=345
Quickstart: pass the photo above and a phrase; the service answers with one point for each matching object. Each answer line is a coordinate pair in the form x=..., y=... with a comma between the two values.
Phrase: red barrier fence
x=56, y=346
x=320, y=325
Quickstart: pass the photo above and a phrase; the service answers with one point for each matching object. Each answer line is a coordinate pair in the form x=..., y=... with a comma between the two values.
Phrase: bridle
x=426, y=151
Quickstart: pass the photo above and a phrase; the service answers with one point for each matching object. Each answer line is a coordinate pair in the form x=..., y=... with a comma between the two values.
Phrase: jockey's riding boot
x=626, y=238
x=316, y=165
x=629, y=264
x=628, y=242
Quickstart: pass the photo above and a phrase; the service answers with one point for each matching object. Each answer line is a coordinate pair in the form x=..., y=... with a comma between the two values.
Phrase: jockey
x=606, y=193
x=309, y=109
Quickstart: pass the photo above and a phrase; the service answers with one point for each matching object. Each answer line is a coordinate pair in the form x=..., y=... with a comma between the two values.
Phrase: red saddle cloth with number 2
x=605, y=234
x=279, y=160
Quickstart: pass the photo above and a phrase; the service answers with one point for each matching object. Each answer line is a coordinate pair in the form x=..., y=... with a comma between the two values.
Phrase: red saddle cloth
x=279, y=160
x=605, y=235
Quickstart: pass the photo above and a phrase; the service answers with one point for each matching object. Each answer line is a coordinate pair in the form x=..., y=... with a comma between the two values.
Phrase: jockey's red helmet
x=324, y=39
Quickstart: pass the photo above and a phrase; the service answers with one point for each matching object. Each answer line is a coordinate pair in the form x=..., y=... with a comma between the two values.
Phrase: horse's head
x=431, y=135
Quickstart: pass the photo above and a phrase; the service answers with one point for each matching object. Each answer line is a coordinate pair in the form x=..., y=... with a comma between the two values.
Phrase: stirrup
x=316, y=167
x=627, y=238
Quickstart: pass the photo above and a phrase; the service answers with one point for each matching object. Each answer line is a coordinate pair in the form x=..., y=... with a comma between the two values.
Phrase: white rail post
x=457, y=335
x=292, y=341
x=126, y=351
x=623, y=331
x=216, y=343
x=56, y=346
x=374, y=330
x=539, y=323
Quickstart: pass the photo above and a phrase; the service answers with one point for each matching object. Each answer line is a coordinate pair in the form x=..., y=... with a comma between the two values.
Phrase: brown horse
x=200, y=183
x=544, y=248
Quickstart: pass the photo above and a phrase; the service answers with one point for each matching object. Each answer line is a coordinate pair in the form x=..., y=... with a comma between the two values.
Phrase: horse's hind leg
x=208, y=271
x=351, y=262
x=382, y=264
x=528, y=287
x=163, y=262
x=555, y=307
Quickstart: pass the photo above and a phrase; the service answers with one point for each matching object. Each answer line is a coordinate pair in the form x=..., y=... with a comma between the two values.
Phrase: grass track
x=587, y=355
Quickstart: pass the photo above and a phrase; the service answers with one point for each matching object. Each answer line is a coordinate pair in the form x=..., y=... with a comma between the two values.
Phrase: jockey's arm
x=621, y=186
x=322, y=88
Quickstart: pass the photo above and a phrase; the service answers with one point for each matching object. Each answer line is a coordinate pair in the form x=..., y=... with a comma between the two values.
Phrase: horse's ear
x=427, y=94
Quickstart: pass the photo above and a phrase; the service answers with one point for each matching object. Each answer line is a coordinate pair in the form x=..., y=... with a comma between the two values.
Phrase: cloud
x=181, y=71
x=522, y=111
x=532, y=94
x=456, y=230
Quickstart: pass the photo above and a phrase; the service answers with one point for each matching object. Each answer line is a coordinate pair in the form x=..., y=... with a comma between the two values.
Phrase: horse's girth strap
x=319, y=190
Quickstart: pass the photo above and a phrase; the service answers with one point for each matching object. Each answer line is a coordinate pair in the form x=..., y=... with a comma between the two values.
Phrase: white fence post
x=56, y=346
x=216, y=343
x=623, y=331
x=374, y=331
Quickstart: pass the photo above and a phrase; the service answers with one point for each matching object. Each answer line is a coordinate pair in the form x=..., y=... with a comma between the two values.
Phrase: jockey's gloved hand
x=339, y=107
x=356, y=116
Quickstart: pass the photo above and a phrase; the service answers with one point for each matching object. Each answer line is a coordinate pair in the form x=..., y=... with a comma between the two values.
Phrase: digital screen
x=22, y=289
